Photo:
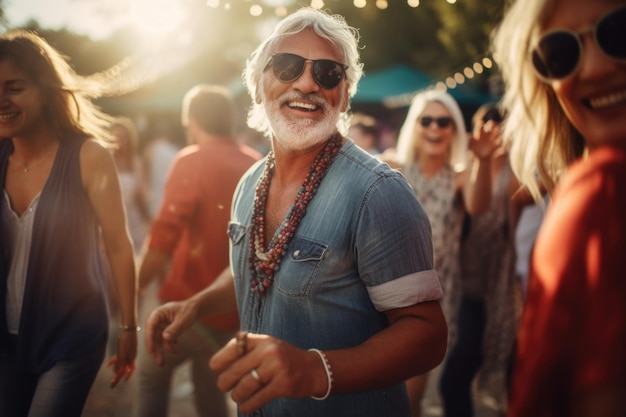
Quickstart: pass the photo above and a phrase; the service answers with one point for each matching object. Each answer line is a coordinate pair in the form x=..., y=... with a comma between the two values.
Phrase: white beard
x=300, y=134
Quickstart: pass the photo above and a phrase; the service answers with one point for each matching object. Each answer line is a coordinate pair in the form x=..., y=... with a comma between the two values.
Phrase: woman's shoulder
x=92, y=148
x=96, y=161
x=591, y=191
x=594, y=173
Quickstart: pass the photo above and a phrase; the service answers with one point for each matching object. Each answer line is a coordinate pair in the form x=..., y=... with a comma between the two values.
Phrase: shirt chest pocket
x=299, y=267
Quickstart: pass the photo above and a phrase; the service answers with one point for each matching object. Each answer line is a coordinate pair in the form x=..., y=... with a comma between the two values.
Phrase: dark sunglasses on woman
x=558, y=53
x=442, y=122
x=289, y=67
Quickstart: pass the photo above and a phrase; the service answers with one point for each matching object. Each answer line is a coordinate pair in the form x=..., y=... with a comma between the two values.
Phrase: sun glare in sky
x=100, y=18
x=156, y=17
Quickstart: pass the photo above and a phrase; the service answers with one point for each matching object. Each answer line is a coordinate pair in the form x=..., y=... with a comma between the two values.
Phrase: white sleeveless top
x=20, y=233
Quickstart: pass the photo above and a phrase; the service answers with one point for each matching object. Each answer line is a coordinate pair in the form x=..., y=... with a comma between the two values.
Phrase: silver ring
x=256, y=376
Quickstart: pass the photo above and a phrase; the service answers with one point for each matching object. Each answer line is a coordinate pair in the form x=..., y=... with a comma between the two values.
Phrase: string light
x=256, y=10
x=382, y=4
x=448, y=83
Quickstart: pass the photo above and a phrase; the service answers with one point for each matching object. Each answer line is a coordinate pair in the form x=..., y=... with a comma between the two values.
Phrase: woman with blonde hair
x=61, y=196
x=432, y=153
x=564, y=64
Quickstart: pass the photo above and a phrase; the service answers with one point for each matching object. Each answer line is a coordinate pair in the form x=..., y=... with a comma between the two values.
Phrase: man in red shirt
x=188, y=241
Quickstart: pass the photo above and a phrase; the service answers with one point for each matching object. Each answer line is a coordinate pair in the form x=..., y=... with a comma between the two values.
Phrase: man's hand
x=266, y=369
x=164, y=325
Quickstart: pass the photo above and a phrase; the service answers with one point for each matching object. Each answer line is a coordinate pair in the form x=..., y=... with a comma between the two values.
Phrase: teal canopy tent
x=395, y=87
x=376, y=87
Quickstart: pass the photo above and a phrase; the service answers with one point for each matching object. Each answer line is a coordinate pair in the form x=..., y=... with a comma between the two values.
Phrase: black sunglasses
x=557, y=54
x=289, y=67
x=442, y=122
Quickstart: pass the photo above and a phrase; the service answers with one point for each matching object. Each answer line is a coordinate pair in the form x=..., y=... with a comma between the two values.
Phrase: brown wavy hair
x=68, y=109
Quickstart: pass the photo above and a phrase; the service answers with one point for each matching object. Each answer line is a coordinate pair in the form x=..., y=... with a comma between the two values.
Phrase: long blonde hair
x=542, y=139
x=405, y=153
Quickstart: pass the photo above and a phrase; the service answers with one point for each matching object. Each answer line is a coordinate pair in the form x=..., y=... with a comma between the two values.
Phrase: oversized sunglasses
x=558, y=53
x=289, y=67
x=442, y=122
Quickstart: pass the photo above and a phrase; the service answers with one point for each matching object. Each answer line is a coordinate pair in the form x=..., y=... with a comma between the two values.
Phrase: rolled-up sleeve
x=406, y=291
x=394, y=247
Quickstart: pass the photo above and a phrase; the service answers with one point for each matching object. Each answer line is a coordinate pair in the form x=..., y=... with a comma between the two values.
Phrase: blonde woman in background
x=564, y=64
x=432, y=153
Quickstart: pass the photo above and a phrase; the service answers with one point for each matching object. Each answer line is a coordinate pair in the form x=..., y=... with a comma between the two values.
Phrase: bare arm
x=166, y=322
x=477, y=180
x=102, y=186
x=153, y=265
x=414, y=343
x=476, y=186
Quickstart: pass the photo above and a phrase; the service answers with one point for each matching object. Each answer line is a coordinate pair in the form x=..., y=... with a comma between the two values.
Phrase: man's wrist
x=329, y=375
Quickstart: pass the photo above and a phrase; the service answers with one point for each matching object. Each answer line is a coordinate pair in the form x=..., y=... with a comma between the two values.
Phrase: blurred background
x=153, y=51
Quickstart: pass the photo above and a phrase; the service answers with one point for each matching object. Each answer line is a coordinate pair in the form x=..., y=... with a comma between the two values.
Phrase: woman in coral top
x=564, y=63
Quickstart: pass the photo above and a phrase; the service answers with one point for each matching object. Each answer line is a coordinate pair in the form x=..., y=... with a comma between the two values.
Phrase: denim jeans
x=197, y=345
x=59, y=392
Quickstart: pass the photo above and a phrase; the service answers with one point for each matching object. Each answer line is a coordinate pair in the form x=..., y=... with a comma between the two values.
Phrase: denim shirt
x=363, y=247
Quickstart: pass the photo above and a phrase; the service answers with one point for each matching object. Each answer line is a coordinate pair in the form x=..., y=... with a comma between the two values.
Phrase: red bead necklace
x=264, y=264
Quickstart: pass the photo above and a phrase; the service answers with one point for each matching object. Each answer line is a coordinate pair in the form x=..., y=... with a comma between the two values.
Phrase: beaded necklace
x=264, y=265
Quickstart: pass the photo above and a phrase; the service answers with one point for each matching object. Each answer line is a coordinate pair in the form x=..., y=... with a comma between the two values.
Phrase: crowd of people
x=324, y=276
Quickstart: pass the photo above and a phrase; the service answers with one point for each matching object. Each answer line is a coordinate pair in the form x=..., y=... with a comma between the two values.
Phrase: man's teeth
x=306, y=106
x=607, y=100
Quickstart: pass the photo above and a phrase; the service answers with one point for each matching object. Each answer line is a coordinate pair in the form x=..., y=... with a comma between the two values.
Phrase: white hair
x=334, y=28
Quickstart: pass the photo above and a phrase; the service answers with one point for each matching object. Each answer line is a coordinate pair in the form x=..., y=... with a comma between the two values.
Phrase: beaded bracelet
x=124, y=328
x=329, y=374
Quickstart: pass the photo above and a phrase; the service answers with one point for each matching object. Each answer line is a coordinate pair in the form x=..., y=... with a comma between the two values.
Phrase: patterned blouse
x=443, y=205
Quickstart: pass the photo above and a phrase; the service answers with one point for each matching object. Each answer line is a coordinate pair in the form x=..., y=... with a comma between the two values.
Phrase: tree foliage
x=437, y=38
